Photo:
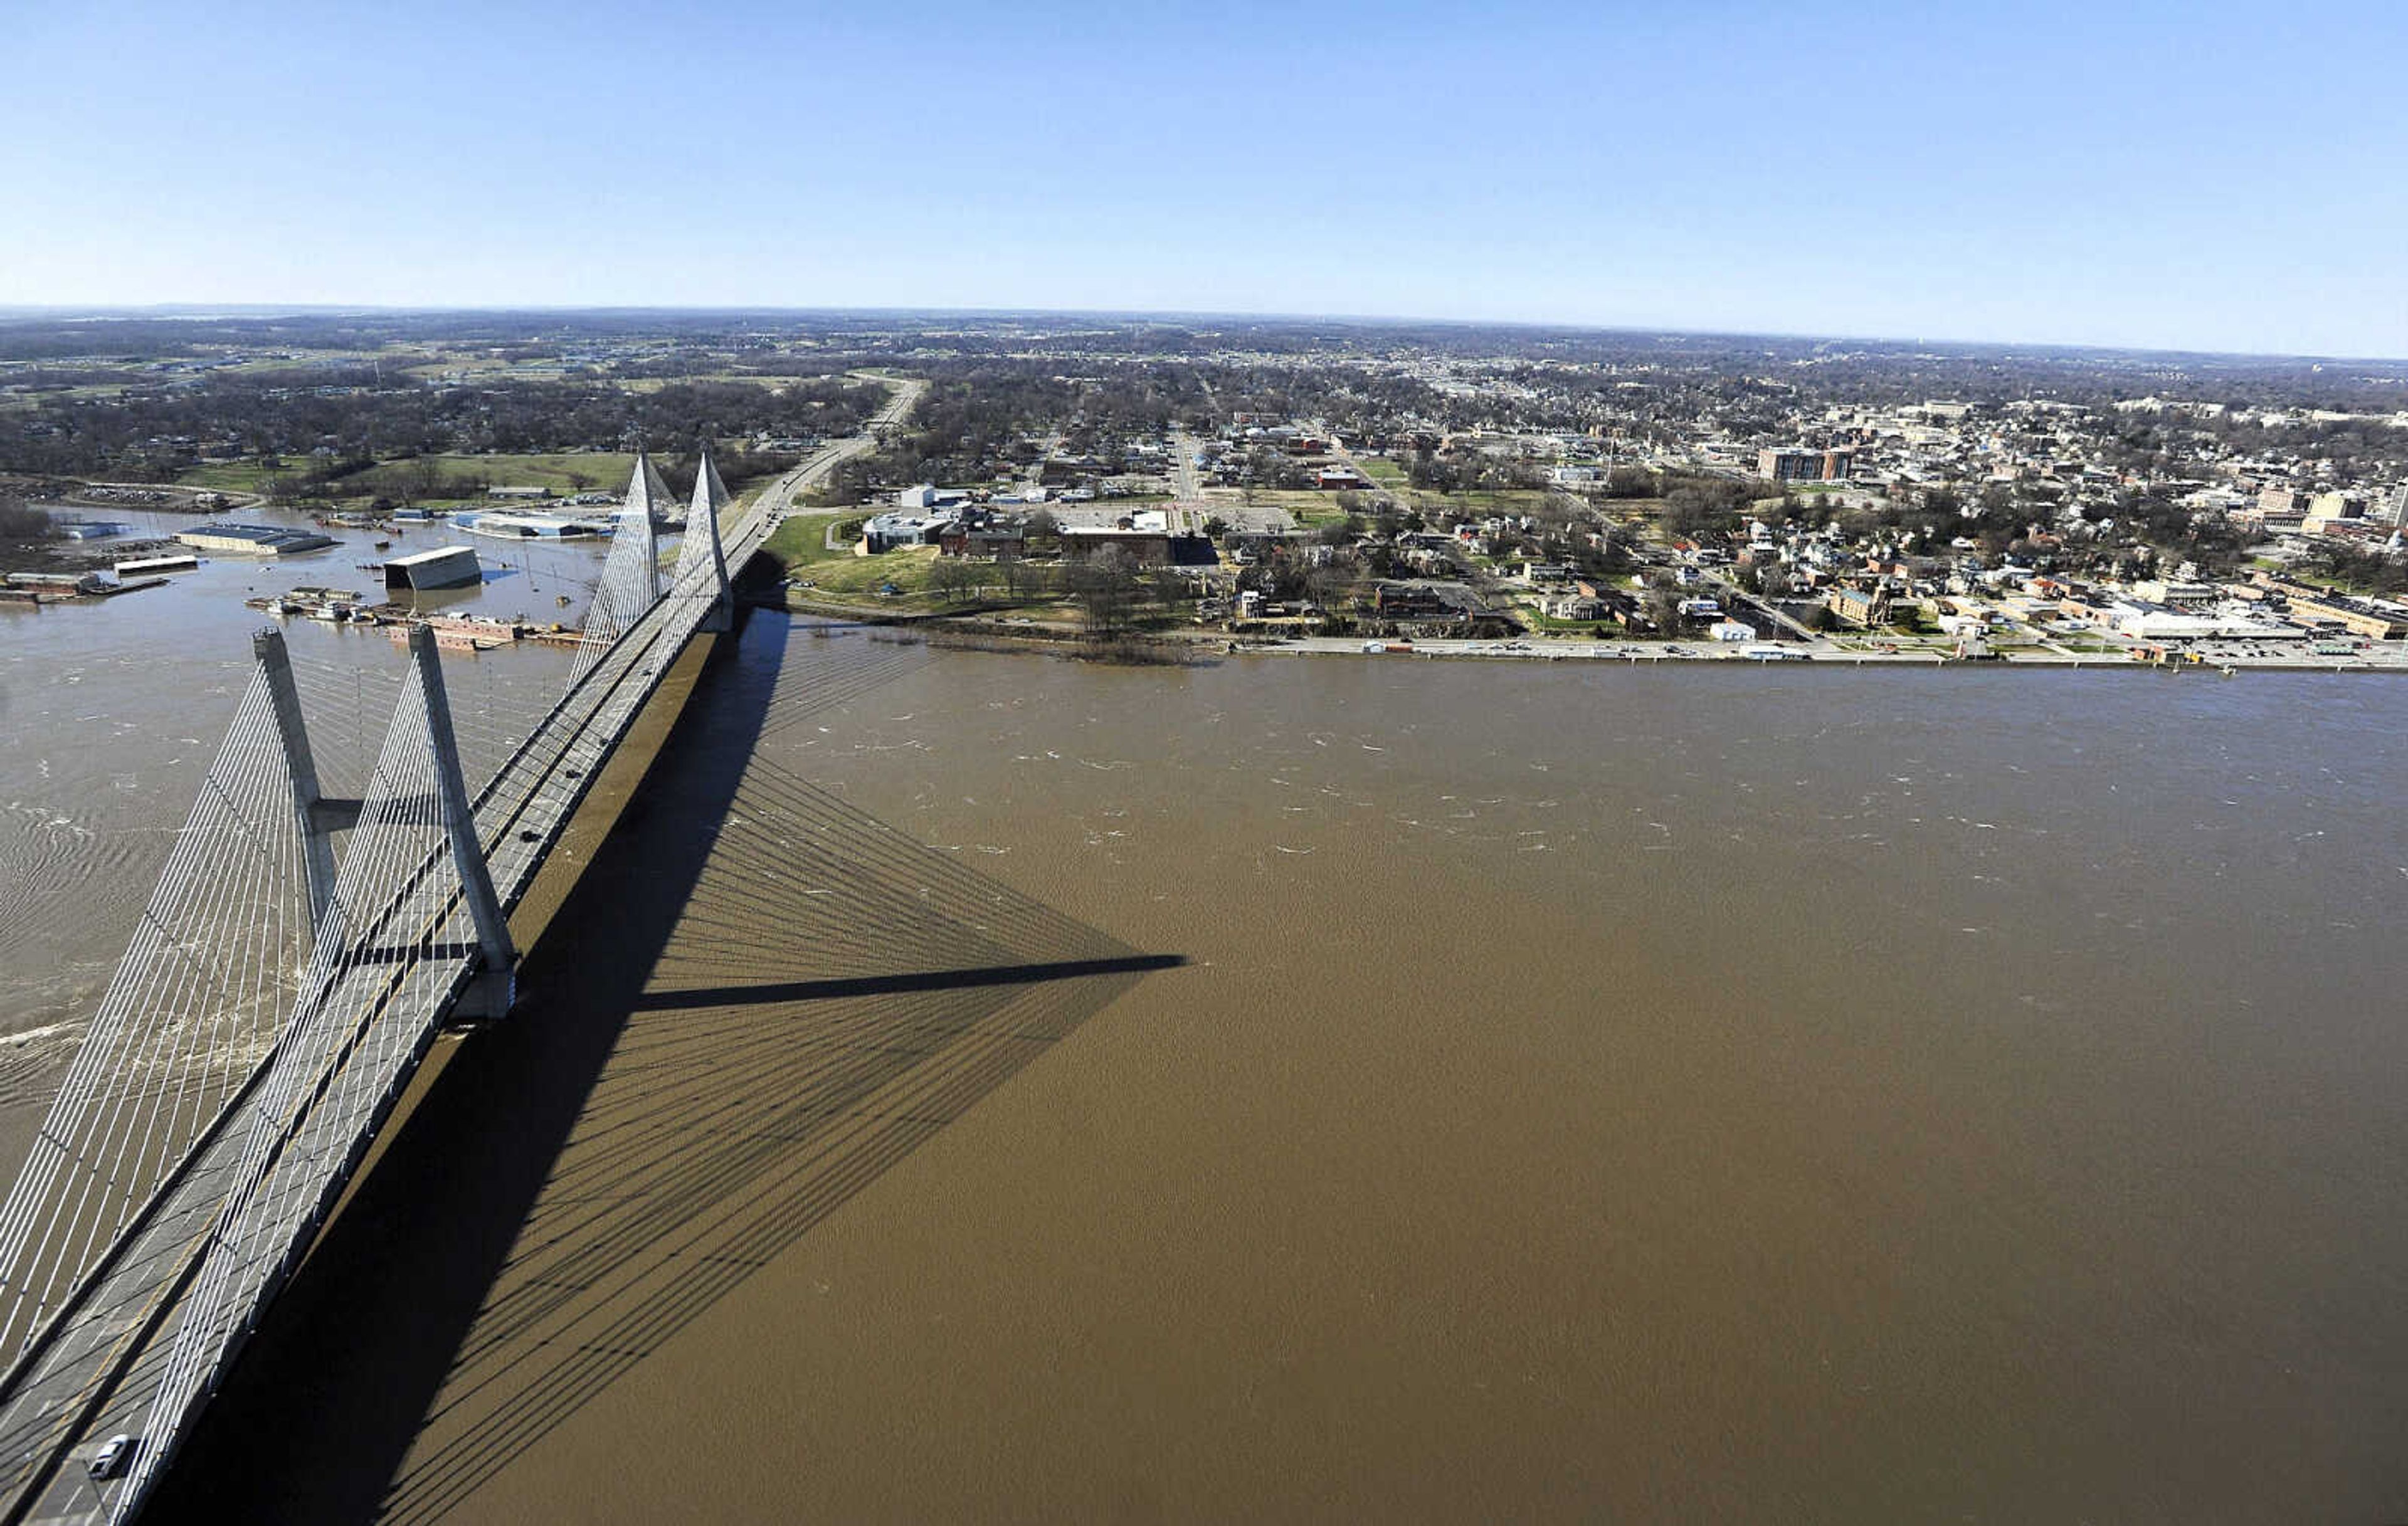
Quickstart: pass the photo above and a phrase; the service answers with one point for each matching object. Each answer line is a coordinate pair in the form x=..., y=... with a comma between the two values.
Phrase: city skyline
x=2059, y=177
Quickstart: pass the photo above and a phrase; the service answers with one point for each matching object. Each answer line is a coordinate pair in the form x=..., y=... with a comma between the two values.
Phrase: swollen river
x=1348, y=1087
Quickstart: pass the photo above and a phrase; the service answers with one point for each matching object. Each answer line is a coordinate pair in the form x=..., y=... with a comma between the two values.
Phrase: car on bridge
x=113, y=1458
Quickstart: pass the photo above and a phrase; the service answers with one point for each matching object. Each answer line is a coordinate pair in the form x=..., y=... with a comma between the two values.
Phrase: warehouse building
x=253, y=540
x=446, y=566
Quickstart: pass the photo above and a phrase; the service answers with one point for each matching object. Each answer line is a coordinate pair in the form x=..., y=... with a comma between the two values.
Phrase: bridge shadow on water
x=755, y=1000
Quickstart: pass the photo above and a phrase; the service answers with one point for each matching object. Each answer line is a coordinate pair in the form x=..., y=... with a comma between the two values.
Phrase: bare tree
x=1108, y=591
x=952, y=579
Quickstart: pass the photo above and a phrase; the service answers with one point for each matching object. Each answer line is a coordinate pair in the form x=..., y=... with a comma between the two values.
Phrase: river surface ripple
x=1764, y=1094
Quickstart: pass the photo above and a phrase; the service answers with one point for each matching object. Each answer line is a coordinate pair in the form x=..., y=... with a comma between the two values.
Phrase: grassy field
x=857, y=577
x=230, y=477
x=864, y=581
x=839, y=576
x=600, y=470
x=1384, y=472
x=802, y=539
x=564, y=473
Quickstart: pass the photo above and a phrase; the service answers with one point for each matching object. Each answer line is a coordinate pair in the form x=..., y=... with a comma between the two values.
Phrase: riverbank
x=996, y=632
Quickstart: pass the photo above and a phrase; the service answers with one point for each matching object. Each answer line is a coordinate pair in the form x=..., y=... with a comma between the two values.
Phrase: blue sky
x=2204, y=176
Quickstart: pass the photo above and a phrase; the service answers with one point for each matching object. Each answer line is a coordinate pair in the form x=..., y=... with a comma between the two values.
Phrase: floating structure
x=92, y=529
x=166, y=562
x=446, y=566
x=253, y=539
x=41, y=588
x=59, y=583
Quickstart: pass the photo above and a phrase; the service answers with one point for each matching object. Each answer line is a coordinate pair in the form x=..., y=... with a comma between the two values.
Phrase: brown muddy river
x=1312, y=1089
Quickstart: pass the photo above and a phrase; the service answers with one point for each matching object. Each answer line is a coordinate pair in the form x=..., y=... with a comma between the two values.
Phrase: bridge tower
x=494, y=985
x=647, y=503
x=702, y=561
x=319, y=816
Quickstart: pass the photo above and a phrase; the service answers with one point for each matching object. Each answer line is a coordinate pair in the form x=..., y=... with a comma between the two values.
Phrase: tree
x=20, y=520
x=1328, y=584
x=952, y=578
x=1108, y=591
x=1013, y=571
x=1664, y=610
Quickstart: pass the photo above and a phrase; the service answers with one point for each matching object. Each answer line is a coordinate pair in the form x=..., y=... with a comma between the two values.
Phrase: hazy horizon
x=207, y=311
x=2067, y=176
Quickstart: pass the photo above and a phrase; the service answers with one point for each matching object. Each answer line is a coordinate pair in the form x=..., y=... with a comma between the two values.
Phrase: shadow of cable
x=755, y=1001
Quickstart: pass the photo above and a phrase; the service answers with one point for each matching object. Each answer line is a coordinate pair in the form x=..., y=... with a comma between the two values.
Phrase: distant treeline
x=347, y=419
x=686, y=342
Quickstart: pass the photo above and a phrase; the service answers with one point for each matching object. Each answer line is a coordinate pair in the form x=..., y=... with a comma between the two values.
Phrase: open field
x=230, y=476
x=802, y=539
x=562, y=472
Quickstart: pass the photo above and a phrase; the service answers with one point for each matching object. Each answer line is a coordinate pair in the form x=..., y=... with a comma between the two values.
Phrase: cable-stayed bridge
x=273, y=1005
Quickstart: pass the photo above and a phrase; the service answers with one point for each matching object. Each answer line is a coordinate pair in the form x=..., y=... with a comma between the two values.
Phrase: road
x=777, y=500
x=1187, y=487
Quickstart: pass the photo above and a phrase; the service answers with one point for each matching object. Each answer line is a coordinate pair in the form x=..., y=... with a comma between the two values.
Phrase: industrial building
x=512, y=525
x=446, y=566
x=253, y=539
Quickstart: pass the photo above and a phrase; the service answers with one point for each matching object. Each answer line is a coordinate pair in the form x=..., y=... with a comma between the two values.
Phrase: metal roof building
x=253, y=539
x=446, y=566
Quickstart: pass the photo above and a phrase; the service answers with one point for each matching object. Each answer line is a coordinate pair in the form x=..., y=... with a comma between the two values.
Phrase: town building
x=1779, y=463
x=887, y=531
x=2358, y=617
x=1859, y=606
x=1146, y=546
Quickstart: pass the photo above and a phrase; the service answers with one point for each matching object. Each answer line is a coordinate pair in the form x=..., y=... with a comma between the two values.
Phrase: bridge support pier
x=495, y=985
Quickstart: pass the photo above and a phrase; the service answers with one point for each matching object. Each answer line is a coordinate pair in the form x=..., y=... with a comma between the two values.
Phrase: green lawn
x=600, y=471
x=847, y=579
x=859, y=577
x=562, y=472
x=230, y=476
x=802, y=539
